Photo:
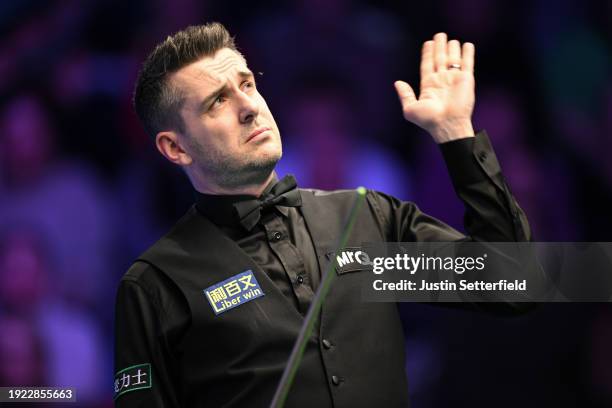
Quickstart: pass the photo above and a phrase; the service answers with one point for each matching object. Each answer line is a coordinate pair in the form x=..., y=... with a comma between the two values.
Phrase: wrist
x=452, y=130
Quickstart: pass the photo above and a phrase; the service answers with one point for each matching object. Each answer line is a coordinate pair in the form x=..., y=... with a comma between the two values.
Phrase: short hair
x=156, y=101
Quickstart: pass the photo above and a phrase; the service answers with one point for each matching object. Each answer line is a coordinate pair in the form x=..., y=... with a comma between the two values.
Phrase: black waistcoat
x=235, y=359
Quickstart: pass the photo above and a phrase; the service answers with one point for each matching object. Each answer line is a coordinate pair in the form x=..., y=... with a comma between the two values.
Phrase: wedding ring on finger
x=454, y=66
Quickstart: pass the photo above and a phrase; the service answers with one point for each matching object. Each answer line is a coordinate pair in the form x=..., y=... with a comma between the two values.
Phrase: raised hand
x=446, y=100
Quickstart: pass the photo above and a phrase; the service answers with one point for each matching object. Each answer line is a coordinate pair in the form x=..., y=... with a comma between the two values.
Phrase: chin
x=271, y=152
x=268, y=161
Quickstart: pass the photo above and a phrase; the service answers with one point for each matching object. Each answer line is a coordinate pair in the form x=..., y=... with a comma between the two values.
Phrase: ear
x=169, y=146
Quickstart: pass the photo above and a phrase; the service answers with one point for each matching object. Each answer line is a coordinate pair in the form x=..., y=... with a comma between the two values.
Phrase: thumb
x=405, y=93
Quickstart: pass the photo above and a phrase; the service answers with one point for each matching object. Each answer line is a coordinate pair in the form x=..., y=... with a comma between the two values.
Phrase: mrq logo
x=349, y=260
x=346, y=258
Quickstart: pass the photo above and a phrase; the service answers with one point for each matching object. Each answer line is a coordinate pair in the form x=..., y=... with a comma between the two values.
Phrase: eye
x=248, y=84
x=218, y=100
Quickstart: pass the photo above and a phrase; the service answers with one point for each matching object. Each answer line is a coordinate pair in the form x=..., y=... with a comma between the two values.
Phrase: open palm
x=446, y=98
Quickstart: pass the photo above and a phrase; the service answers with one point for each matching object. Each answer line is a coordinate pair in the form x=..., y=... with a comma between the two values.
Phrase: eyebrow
x=243, y=74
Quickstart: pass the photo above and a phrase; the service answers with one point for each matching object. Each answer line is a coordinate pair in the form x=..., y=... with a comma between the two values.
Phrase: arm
x=491, y=212
x=142, y=367
x=444, y=109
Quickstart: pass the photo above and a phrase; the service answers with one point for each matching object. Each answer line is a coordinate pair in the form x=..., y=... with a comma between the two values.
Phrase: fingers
x=405, y=93
x=467, y=58
x=440, y=52
x=427, y=58
x=454, y=53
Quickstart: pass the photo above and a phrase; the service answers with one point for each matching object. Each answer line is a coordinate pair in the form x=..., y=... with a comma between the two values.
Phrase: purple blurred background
x=83, y=191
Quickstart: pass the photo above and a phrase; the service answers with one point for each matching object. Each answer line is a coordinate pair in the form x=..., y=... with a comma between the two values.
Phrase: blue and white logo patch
x=233, y=292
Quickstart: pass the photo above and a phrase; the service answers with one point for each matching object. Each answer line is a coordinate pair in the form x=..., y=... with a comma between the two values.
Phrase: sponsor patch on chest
x=233, y=292
x=350, y=259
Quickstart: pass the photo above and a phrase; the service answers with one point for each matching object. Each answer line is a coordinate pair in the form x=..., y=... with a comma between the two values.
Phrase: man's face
x=229, y=130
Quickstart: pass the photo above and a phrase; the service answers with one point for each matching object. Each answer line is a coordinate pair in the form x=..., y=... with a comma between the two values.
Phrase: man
x=208, y=315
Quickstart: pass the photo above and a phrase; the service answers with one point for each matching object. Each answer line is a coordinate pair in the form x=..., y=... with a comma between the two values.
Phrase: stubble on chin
x=231, y=172
x=251, y=173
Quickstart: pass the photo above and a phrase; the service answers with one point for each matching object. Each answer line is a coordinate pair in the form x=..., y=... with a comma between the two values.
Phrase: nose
x=248, y=107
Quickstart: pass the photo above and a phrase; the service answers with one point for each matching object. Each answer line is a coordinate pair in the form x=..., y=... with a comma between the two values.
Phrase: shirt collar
x=220, y=208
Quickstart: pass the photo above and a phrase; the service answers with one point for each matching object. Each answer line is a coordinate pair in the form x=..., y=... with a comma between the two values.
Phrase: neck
x=255, y=189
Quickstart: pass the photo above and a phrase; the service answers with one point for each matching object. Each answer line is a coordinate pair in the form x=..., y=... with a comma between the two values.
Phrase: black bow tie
x=283, y=193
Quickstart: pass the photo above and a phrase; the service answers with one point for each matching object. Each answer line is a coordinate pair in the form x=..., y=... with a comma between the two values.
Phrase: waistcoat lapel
x=324, y=227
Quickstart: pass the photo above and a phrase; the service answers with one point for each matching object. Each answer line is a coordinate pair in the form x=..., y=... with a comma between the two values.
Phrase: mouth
x=256, y=133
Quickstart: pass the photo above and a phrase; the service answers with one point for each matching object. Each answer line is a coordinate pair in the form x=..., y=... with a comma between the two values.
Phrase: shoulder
x=346, y=193
x=140, y=273
x=378, y=202
x=144, y=277
x=146, y=274
x=143, y=283
x=328, y=193
x=334, y=201
x=172, y=243
x=338, y=195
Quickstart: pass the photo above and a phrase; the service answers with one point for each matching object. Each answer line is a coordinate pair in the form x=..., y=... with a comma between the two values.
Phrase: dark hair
x=156, y=101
